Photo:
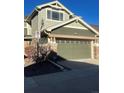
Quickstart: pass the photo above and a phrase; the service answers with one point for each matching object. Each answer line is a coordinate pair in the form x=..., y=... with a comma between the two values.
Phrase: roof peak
x=54, y=2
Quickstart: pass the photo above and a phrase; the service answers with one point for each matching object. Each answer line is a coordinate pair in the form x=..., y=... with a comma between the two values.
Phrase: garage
x=74, y=49
x=73, y=41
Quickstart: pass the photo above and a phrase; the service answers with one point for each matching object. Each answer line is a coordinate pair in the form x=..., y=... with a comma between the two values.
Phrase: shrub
x=31, y=52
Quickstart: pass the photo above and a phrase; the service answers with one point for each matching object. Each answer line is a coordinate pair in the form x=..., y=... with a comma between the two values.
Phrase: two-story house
x=27, y=33
x=54, y=23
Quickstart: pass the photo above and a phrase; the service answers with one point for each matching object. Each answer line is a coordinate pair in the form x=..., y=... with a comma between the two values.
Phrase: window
x=71, y=41
x=61, y=16
x=58, y=41
x=54, y=15
x=88, y=42
x=67, y=41
x=62, y=41
x=49, y=14
x=79, y=42
x=74, y=41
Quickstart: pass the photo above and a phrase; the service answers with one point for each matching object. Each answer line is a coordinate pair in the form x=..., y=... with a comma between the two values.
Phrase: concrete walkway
x=82, y=78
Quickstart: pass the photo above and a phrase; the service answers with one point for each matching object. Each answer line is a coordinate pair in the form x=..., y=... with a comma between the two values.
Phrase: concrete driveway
x=82, y=78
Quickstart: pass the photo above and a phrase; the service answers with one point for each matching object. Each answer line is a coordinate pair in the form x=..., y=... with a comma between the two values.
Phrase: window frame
x=55, y=15
x=51, y=18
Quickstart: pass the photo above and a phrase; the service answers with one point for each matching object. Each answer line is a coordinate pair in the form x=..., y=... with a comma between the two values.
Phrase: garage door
x=74, y=49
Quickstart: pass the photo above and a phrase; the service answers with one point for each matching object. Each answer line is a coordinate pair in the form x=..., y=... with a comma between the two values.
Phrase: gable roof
x=39, y=7
x=72, y=20
x=88, y=26
x=95, y=27
x=54, y=2
x=61, y=24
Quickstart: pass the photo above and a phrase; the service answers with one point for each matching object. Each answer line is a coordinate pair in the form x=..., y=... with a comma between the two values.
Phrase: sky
x=87, y=9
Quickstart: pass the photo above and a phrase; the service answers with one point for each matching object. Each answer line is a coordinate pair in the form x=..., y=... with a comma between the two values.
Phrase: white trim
x=65, y=8
x=48, y=39
x=55, y=7
x=71, y=20
x=61, y=24
x=92, y=50
x=71, y=36
x=59, y=11
x=53, y=2
x=47, y=4
x=46, y=13
x=76, y=27
x=27, y=19
x=88, y=26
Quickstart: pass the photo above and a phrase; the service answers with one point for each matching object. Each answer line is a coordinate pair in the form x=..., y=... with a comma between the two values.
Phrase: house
x=96, y=47
x=27, y=33
x=71, y=36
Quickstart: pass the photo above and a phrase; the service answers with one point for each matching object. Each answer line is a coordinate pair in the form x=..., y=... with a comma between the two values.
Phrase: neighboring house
x=27, y=33
x=53, y=23
x=96, y=47
x=96, y=27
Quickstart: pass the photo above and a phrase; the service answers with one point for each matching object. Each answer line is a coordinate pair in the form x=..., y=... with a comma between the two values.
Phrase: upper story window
x=54, y=15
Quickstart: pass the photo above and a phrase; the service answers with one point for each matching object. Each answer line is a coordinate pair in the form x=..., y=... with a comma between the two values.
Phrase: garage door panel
x=74, y=51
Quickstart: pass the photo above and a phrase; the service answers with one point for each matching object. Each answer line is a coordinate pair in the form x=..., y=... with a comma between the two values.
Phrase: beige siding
x=73, y=31
x=66, y=16
x=41, y=16
x=76, y=25
x=47, y=22
x=34, y=23
x=28, y=27
x=50, y=23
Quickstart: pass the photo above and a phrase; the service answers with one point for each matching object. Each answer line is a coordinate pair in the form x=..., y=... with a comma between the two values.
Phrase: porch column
x=49, y=40
x=54, y=40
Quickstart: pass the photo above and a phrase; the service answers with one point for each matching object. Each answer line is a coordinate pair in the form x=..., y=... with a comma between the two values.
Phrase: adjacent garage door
x=74, y=49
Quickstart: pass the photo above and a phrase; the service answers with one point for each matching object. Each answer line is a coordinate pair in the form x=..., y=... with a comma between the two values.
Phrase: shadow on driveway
x=40, y=68
x=82, y=78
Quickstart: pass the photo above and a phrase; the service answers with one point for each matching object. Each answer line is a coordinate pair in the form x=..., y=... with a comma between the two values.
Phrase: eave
x=32, y=14
x=39, y=7
x=72, y=20
x=72, y=37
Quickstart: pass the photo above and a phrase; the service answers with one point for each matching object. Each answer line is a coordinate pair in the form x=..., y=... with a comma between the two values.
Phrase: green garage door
x=74, y=49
